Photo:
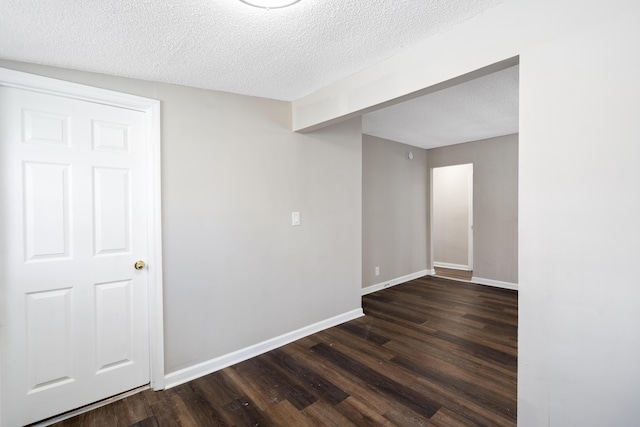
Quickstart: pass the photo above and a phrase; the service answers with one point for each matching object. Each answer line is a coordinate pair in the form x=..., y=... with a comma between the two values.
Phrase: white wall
x=236, y=272
x=579, y=230
x=578, y=206
x=451, y=206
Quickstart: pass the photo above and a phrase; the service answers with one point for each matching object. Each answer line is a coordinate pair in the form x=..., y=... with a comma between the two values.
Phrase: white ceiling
x=482, y=108
x=224, y=45
x=285, y=54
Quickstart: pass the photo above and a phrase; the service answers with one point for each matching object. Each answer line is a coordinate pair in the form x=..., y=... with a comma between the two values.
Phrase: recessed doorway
x=452, y=220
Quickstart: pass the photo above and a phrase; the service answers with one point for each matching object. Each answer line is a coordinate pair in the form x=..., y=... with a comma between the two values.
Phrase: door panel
x=114, y=325
x=46, y=211
x=45, y=128
x=50, y=357
x=110, y=136
x=74, y=219
x=112, y=210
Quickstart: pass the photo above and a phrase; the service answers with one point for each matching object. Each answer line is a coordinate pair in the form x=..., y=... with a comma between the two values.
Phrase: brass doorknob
x=139, y=265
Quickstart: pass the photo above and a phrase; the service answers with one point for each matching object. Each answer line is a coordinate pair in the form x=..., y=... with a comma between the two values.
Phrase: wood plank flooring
x=454, y=273
x=430, y=352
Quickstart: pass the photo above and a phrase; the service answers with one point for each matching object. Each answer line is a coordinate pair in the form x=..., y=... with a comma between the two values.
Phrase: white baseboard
x=196, y=371
x=495, y=283
x=393, y=282
x=452, y=266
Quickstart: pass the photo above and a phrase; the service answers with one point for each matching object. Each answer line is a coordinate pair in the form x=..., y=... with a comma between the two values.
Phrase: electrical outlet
x=377, y=271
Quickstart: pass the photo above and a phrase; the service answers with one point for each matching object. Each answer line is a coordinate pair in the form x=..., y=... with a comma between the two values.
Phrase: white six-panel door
x=72, y=224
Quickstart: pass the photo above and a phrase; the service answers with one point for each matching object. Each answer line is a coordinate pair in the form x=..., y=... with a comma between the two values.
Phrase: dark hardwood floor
x=454, y=273
x=430, y=352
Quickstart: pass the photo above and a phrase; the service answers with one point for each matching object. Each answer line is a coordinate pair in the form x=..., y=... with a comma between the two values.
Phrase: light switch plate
x=295, y=218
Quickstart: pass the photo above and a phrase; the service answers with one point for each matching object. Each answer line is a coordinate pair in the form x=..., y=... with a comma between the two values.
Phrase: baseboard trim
x=495, y=283
x=383, y=285
x=452, y=266
x=204, y=368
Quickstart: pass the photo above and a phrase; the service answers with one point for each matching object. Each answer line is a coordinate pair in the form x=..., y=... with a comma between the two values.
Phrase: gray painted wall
x=236, y=272
x=394, y=208
x=495, y=202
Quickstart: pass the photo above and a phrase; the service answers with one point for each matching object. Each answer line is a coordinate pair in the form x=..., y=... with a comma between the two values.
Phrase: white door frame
x=470, y=217
x=470, y=223
x=151, y=110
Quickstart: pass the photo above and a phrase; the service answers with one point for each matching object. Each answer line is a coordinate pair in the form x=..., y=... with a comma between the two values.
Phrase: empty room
x=202, y=221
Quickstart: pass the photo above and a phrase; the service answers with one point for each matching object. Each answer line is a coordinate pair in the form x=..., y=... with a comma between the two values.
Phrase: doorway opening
x=452, y=221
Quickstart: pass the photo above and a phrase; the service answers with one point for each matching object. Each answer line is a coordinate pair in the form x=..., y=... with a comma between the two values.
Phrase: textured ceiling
x=224, y=45
x=482, y=108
